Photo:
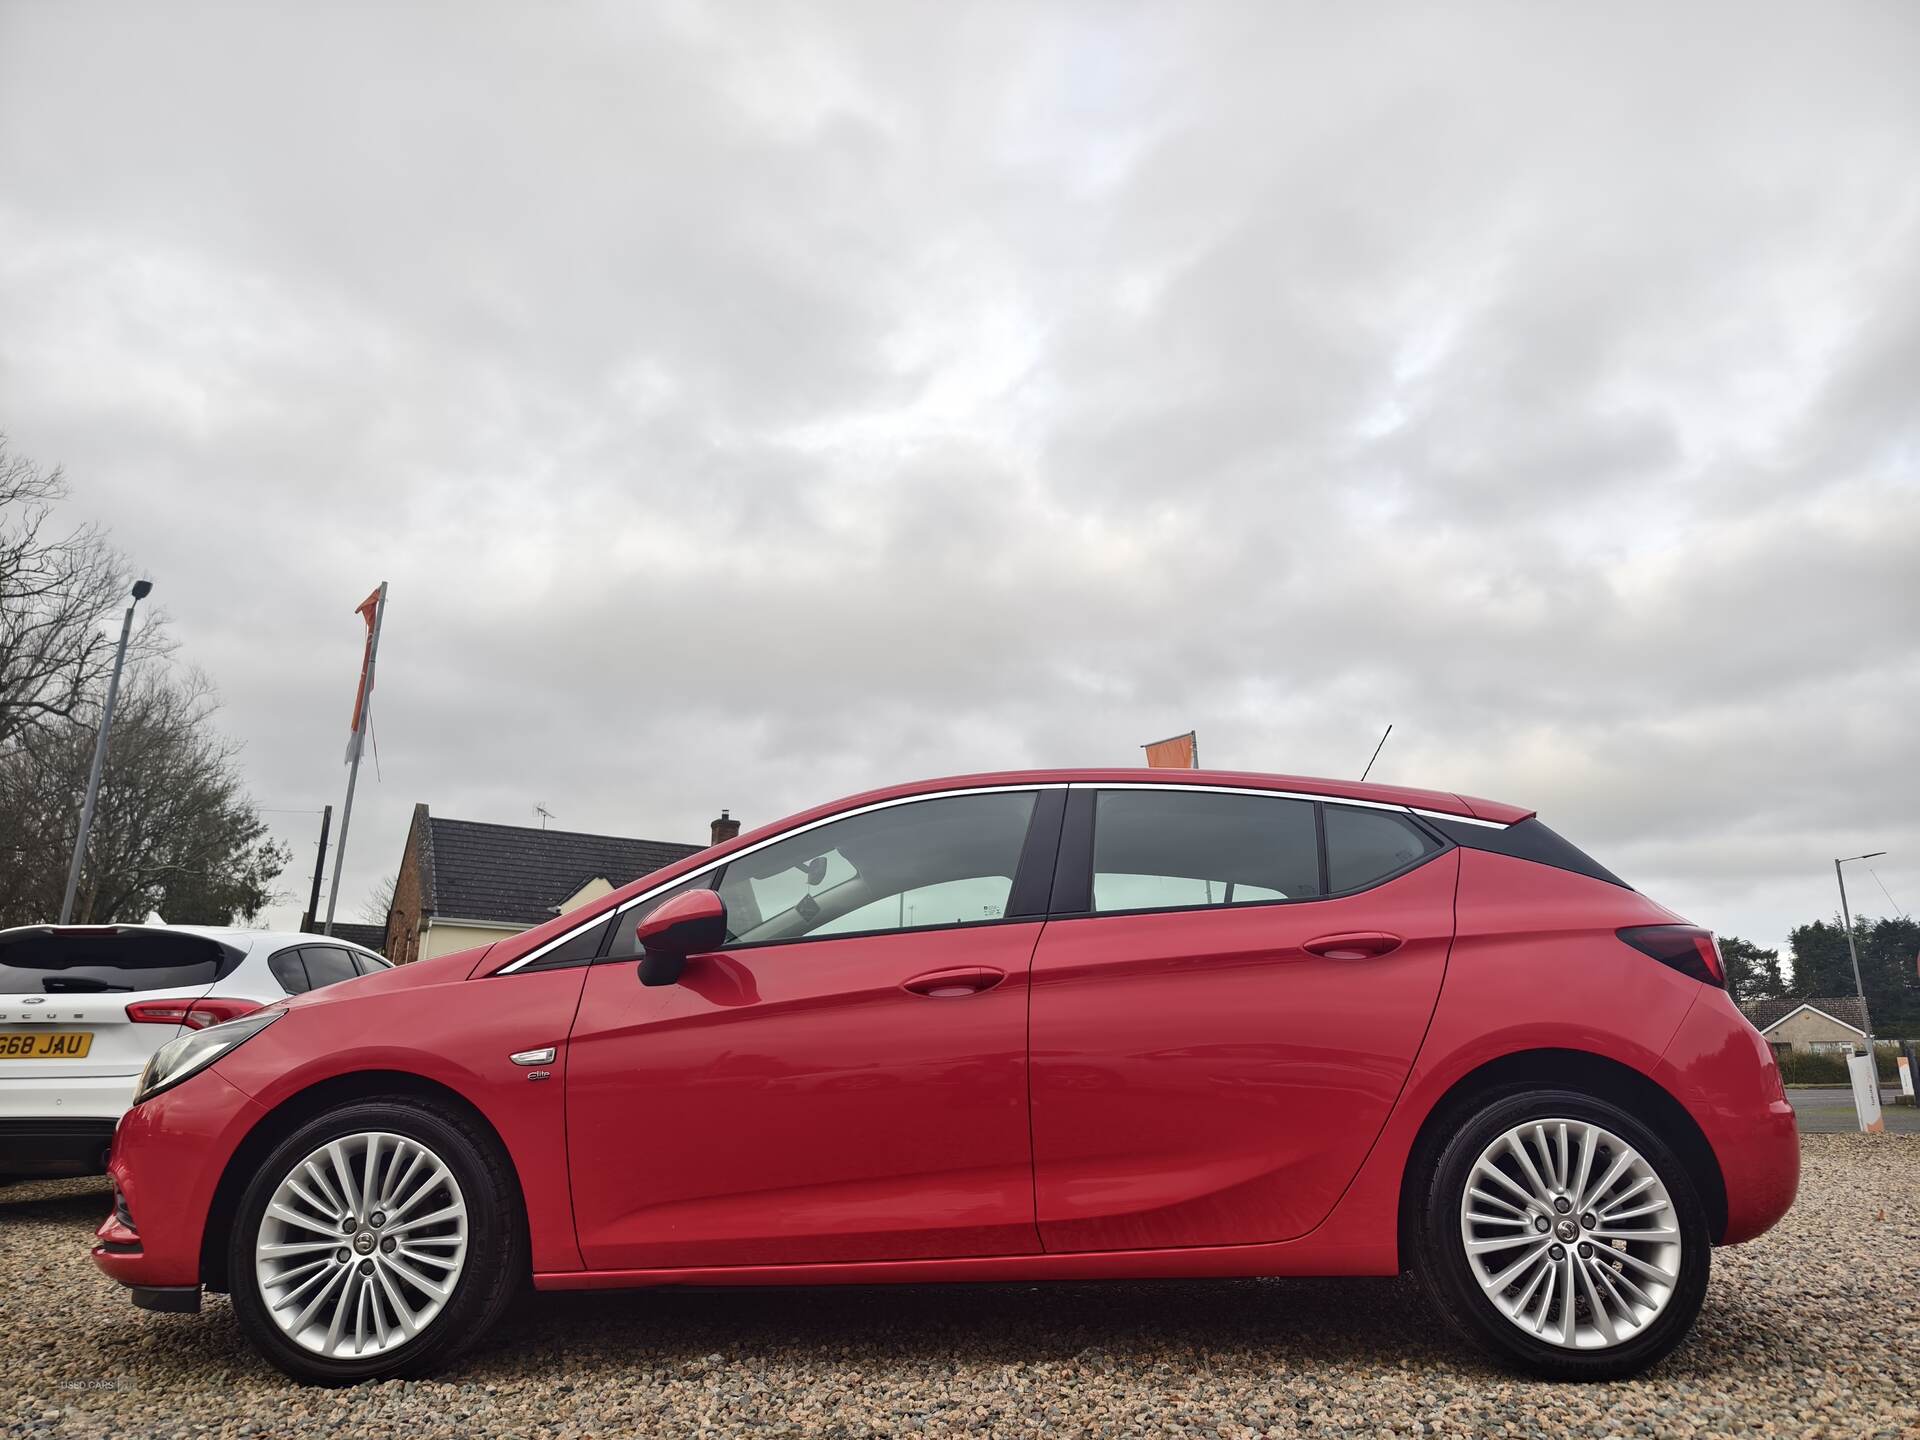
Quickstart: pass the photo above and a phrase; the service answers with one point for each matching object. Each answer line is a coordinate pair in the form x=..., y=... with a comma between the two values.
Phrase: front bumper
x=168, y=1157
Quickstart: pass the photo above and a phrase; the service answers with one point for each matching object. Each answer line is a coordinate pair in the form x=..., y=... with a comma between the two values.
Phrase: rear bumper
x=168, y=1156
x=1723, y=1072
x=90, y=1097
x=57, y=1148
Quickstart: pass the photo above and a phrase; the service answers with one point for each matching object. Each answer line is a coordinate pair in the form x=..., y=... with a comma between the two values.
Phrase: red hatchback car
x=1062, y=1025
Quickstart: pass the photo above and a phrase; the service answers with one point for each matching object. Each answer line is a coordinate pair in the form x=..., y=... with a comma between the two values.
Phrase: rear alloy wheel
x=1565, y=1236
x=377, y=1240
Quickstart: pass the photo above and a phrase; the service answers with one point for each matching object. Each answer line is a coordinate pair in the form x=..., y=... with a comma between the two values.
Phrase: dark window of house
x=289, y=972
x=1165, y=849
x=327, y=965
x=944, y=861
x=1367, y=845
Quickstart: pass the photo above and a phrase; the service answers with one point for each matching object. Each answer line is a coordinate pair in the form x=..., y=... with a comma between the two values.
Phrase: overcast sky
x=750, y=404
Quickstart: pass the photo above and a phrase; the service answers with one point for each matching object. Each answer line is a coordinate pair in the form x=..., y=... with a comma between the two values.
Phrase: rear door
x=1226, y=1002
x=64, y=993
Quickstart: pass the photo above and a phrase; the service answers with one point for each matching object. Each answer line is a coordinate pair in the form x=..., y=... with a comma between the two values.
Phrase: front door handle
x=1355, y=945
x=953, y=984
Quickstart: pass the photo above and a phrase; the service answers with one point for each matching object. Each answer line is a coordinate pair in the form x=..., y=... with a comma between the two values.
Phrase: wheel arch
x=294, y=1111
x=1582, y=1070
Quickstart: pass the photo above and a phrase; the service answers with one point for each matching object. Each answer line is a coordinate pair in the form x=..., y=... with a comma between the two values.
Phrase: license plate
x=45, y=1044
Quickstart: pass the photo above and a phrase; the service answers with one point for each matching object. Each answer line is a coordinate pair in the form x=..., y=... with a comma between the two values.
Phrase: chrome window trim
x=733, y=855
x=1452, y=819
x=1386, y=805
x=1037, y=785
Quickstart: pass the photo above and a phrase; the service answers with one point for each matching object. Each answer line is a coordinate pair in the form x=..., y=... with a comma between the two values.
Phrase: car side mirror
x=688, y=924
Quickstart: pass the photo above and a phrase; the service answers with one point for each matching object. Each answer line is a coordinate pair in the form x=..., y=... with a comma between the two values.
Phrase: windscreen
x=44, y=961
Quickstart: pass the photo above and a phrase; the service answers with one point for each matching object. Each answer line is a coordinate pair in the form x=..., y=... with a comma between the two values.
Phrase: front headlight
x=197, y=1049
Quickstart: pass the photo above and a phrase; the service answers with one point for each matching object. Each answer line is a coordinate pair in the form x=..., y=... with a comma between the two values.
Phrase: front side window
x=943, y=861
x=1161, y=849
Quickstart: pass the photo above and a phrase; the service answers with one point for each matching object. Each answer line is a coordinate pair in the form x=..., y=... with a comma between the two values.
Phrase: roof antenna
x=544, y=814
x=1375, y=756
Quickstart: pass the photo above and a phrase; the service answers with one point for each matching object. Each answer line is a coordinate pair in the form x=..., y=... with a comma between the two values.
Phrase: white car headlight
x=197, y=1049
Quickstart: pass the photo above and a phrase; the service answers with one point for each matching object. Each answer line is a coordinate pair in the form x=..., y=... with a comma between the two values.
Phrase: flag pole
x=359, y=744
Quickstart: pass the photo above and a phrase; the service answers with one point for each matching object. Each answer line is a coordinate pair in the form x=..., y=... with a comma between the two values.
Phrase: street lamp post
x=141, y=589
x=1846, y=919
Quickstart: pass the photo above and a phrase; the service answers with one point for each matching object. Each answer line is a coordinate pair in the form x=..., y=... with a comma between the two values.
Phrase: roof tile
x=515, y=875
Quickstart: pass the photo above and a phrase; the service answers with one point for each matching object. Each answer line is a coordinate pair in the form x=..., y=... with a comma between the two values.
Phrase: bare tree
x=379, y=902
x=174, y=831
x=55, y=586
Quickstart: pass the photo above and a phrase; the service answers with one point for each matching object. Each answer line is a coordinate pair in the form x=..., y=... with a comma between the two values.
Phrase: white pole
x=353, y=771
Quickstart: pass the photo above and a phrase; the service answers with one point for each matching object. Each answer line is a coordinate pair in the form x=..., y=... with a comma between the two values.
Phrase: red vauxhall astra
x=1061, y=1025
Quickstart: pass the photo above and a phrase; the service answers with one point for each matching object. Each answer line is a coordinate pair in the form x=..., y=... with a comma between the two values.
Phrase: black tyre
x=378, y=1239
x=1563, y=1235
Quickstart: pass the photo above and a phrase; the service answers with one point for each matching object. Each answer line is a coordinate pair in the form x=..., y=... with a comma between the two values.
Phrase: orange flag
x=1181, y=752
x=367, y=609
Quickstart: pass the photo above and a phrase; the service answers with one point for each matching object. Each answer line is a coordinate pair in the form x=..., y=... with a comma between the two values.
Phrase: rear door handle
x=953, y=984
x=1354, y=945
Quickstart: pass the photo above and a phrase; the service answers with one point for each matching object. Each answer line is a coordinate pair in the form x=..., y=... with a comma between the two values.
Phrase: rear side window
x=327, y=965
x=369, y=964
x=1365, y=846
x=289, y=973
x=1164, y=849
x=42, y=960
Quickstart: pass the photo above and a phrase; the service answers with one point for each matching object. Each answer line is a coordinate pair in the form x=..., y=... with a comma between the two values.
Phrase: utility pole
x=141, y=589
x=319, y=869
x=359, y=744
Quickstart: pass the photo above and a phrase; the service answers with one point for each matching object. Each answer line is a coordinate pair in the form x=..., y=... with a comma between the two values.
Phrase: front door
x=1225, y=1008
x=847, y=1079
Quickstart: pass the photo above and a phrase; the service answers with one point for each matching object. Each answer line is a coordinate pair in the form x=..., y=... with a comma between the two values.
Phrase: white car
x=83, y=1007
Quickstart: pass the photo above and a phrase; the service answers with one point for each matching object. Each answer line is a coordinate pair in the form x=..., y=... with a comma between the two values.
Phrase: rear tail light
x=1686, y=948
x=194, y=1014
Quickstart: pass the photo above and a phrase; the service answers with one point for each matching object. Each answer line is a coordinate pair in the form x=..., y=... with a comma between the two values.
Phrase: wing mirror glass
x=689, y=924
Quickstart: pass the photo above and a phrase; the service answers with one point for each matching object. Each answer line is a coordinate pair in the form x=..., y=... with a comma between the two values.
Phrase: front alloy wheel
x=378, y=1239
x=1563, y=1234
x=362, y=1245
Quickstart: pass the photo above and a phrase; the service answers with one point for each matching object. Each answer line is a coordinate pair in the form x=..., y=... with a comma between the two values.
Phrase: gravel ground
x=1799, y=1338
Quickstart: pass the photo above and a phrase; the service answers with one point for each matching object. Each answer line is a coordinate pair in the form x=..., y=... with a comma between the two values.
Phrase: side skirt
x=1309, y=1255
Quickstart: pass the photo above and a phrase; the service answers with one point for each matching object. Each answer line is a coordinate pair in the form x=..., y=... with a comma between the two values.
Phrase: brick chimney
x=725, y=828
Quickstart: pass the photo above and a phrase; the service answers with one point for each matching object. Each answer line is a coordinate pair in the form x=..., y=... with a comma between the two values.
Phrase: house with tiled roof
x=465, y=882
x=1818, y=1022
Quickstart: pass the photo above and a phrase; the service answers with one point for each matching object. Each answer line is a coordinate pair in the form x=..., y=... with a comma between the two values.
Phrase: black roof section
x=514, y=875
x=367, y=937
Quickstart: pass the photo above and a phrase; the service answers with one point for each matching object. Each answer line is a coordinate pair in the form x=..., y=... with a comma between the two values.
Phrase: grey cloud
x=749, y=409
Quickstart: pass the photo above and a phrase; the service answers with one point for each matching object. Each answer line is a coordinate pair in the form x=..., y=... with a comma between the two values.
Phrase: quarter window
x=1160, y=849
x=1368, y=845
x=289, y=972
x=944, y=861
